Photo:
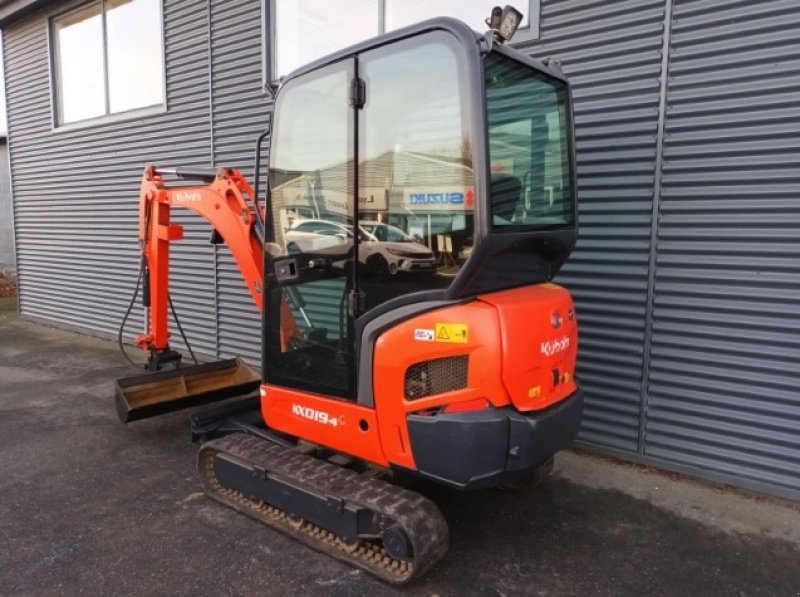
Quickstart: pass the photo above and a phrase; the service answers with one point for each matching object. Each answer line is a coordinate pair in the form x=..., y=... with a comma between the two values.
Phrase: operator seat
x=505, y=191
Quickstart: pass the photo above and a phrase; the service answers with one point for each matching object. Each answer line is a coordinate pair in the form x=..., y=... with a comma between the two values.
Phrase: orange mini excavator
x=421, y=197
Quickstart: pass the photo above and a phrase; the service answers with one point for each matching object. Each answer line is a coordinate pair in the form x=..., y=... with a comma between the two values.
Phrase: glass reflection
x=79, y=63
x=309, y=325
x=310, y=29
x=415, y=200
x=531, y=183
x=416, y=181
x=135, y=67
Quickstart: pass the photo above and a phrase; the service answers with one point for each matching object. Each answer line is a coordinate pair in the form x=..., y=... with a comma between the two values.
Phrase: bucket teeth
x=419, y=518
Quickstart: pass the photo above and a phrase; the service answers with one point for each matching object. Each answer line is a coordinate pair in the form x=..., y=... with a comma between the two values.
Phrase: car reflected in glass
x=384, y=250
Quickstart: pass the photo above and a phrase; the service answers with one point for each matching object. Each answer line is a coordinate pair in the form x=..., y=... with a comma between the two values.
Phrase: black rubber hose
x=180, y=329
x=142, y=269
x=139, y=278
x=128, y=311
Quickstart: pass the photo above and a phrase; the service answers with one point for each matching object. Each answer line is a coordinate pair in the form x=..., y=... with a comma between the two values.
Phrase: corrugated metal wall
x=241, y=114
x=686, y=274
x=612, y=54
x=724, y=388
x=76, y=190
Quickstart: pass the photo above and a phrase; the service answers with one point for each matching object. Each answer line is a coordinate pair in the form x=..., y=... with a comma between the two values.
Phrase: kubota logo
x=318, y=416
x=552, y=347
x=188, y=197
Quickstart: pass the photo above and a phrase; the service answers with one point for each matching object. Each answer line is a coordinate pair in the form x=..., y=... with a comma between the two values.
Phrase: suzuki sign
x=438, y=200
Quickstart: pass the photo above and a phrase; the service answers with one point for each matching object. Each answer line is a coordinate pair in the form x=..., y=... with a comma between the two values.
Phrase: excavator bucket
x=160, y=392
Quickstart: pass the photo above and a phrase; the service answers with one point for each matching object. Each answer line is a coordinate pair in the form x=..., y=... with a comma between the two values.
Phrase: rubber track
x=420, y=518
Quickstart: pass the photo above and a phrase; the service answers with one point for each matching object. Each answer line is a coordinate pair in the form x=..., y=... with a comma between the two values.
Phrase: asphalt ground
x=91, y=507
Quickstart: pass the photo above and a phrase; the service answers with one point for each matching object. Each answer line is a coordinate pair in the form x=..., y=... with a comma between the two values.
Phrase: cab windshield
x=529, y=153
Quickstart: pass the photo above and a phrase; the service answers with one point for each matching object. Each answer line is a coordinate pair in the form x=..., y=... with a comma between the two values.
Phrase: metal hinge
x=358, y=93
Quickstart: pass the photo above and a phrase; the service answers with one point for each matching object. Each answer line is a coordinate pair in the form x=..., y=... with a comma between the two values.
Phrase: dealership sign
x=438, y=200
x=298, y=193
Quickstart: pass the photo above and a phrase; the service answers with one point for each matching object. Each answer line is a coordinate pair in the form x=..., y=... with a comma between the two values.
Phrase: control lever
x=297, y=300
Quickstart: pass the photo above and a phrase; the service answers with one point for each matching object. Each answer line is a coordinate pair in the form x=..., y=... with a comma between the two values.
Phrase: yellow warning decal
x=451, y=332
x=535, y=392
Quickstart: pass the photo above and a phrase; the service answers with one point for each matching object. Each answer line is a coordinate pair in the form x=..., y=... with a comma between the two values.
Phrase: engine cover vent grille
x=428, y=378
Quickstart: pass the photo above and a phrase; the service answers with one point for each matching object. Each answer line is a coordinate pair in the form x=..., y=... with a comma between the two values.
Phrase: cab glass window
x=416, y=185
x=531, y=180
x=311, y=168
x=308, y=328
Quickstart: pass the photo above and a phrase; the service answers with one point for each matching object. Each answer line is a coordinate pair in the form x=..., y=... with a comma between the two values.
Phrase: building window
x=304, y=30
x=108, y=59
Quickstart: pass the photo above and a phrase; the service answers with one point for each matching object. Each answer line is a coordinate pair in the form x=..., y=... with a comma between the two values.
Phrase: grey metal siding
x=76, y=190
x=241, y=114
x=725, y=365
x=612, y=54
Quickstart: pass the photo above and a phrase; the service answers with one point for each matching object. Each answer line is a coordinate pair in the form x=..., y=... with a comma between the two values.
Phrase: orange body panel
x=397, y=349
x=538, y=358
x=513, y=346
x=338, y=424
x=386, y=439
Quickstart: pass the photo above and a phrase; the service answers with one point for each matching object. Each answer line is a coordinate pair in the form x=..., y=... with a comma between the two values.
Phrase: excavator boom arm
x=224, y=204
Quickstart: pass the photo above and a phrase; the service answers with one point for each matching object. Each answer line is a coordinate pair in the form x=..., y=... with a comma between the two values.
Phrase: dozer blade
x=160, y=392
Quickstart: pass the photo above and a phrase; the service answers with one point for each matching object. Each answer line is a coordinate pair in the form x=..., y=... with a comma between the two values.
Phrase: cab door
x=309, y=276
x=381, y=142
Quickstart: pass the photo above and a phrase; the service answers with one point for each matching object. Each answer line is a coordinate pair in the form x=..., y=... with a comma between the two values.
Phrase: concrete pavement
x=88, y=506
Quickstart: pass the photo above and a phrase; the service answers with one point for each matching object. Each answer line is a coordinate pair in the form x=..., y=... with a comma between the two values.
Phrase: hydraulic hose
x=180, y=329
x=139, y=280
x=129, y=309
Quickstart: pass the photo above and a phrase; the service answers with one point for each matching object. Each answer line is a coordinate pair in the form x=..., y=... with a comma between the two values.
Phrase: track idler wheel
x=397, y=544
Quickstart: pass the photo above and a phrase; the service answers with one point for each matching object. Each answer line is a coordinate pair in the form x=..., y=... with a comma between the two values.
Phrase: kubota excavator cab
x=461, y=151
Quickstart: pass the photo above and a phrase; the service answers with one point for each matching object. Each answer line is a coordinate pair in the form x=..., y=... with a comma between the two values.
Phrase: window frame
x=109, y=117
x=269, y=35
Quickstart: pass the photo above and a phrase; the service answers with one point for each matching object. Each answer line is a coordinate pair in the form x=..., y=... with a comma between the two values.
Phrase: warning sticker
x=451, y=332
